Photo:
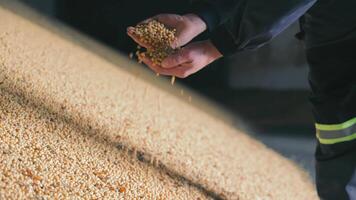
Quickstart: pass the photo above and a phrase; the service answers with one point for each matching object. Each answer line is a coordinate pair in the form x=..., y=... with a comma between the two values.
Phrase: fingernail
x=129, y=29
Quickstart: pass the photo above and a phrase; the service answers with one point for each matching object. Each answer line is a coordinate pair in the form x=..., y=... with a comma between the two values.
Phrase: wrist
x=198, y=23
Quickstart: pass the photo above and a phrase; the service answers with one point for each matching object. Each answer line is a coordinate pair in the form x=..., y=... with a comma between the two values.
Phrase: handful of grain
x=158, y=37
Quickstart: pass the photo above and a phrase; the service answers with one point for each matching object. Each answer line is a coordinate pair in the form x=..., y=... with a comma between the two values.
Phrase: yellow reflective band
x=336, y=140
x=335, y=127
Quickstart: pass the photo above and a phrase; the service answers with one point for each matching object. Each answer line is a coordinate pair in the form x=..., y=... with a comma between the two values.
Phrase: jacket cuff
x=223, y=40
x=208, y=14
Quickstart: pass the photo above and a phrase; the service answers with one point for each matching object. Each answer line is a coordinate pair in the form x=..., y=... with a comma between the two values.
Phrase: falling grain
x=173, y=79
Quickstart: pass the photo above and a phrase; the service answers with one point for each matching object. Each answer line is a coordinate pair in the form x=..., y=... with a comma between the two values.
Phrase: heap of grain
x=73, y=125
x=158, y=39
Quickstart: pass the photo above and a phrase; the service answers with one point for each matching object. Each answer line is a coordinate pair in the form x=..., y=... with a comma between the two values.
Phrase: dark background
x=267, y=88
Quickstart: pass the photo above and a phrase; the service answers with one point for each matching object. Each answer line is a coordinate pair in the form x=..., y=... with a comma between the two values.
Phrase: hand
x=187, y=60
x=187, y=26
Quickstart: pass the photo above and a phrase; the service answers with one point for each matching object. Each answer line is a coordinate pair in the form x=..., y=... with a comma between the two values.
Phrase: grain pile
x=46, y=157
x=74, y=125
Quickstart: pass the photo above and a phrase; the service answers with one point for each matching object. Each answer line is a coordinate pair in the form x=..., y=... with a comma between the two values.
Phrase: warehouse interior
x=79, y=120
x=268, y=91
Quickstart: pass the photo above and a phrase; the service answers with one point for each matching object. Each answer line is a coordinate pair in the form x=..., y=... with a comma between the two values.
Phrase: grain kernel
x=36, y=178
x=122, y=189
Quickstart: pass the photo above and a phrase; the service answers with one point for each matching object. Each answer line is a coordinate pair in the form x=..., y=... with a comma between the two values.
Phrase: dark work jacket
x=330, y=38
x=237, y=25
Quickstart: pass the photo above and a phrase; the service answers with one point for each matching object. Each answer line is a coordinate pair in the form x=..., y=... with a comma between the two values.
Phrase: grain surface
x=77, y=125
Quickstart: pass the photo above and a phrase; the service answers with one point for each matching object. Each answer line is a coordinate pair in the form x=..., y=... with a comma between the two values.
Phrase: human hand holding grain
x=164, y=35
x=187, y=27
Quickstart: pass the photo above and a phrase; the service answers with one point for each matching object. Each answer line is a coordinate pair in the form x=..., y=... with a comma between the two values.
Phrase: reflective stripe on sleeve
x=336, y=133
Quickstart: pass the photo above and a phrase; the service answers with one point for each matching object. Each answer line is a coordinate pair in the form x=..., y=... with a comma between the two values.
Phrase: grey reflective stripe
x=351, y=187
x=337, y=133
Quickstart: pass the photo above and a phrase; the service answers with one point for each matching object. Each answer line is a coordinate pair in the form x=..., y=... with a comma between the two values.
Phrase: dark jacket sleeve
x=237, y=25
x=215, y=12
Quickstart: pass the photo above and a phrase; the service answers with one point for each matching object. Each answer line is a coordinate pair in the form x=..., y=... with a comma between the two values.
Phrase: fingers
x=180, y=71
x=155, y=67
x=180, y=57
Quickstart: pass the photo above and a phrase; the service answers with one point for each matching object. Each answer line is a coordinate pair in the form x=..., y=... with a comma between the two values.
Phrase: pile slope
x=74, y=124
